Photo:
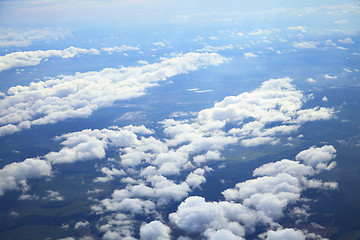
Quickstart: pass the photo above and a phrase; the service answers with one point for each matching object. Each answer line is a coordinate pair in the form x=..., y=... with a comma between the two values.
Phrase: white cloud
x=79, y=95
x=110, y=173
x=222, y=234
x=305, y=45
x=287, y=233
x=162, y=43
x=315, y=156
x=20, y=38
x=311, y=80
x=154, y=230
x=14, y=175
x=196, y=178
x=260, y=32
x=256, y=202
x=284, y=166
x=53, y=196
x=341, y=21
x=195, y=215
x=301, y=28
x=32, y=58
x=324, y=99
x=250, y=55
x=346, y=41
x=122, y=48
x=80, y=224
x=329, y=43
x=209, y=48
x=327, y=76
x=91, y=144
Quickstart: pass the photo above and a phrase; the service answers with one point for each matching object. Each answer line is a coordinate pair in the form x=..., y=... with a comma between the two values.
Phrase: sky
x=183, y=120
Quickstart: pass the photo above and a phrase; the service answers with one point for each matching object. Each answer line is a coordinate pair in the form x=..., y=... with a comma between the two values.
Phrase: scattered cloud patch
x=53, y=196
x=305, y=45
x=209, y=48
x=197, y=90
x=311, y=80
x=249, y=55
x=341, y=21
x=346, y=41
x=122, y=48
x=327, y=76
x=260, y=32
x=301, y=28
x=80, y=225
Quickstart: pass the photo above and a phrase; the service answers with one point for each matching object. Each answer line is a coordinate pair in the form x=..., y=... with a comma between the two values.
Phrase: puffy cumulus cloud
x=21, y=38
x=222, y=234
x=196, y=178
x=305, y=45
x=110, y=173
x=154, y=230
x=276, y=100
x=14, y=175
x=268, y=194
x=33, y=58
x=122, y=48
x=91, y=144
x=126, y=205
x=287, y=233
x=284, y=166
x=317, y=157
x=117, y=226
x=195, y=215
x=314, y=114
x=79, y=95
x=160, y=190
x=257, y=202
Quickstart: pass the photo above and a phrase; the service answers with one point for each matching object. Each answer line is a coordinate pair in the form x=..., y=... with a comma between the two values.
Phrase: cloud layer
x=162, y=171
x=32, y=58
x=20, y=38
x=77, y=96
